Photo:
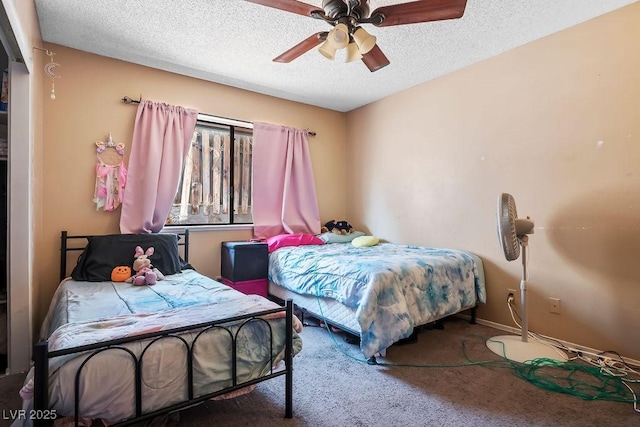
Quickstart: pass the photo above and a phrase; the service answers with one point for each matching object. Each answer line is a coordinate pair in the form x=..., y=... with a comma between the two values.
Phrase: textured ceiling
x=233, y=42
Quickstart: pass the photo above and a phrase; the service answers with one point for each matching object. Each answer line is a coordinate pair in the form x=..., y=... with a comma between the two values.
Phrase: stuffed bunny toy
x=145, y=274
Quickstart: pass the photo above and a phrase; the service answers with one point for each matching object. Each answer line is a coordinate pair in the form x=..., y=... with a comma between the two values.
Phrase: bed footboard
x=42, y=355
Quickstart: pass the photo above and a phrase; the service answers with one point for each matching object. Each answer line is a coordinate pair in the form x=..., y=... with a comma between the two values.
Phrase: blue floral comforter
x=393, y=288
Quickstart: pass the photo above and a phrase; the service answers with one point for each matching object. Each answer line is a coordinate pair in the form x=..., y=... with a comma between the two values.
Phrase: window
x=215, y=187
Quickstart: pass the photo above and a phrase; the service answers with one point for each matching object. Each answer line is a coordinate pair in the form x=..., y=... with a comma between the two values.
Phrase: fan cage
x=507, y=216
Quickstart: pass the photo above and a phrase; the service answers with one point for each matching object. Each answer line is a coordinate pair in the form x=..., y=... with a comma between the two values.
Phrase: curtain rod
x=129, y=100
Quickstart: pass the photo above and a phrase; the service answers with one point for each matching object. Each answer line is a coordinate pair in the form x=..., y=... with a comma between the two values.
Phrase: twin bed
x=124, y=353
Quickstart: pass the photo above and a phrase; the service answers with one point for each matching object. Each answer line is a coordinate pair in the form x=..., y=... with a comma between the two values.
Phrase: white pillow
x=330, y=237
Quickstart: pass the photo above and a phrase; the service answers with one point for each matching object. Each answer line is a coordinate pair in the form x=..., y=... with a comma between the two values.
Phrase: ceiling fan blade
x=375, y=59
x=289, y=6
x=417, y=11
x=302, y=47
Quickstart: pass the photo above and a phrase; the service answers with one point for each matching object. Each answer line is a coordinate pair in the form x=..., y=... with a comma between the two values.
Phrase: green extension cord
x=585, y=382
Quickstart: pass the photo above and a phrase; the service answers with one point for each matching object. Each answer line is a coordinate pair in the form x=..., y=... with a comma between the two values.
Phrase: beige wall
x=556, y=123
x=88, y=106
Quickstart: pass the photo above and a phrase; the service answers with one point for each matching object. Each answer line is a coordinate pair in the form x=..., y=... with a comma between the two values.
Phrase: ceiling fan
x=347, y=16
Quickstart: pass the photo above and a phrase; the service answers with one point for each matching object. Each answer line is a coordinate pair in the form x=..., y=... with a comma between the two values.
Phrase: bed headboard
x=73, y=243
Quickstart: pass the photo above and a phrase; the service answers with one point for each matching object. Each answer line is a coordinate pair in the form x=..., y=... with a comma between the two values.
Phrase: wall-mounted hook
x=49, y=69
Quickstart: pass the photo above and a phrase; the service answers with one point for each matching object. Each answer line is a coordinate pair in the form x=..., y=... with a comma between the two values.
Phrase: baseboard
x=516, y=331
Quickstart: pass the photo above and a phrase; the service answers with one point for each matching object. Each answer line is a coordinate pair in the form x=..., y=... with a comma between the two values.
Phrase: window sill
x=195, y=228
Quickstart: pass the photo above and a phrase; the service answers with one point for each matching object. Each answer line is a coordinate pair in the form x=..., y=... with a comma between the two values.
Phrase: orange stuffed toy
x=121, y=273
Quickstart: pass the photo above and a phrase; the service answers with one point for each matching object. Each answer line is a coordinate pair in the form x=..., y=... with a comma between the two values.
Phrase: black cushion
x=103, y=253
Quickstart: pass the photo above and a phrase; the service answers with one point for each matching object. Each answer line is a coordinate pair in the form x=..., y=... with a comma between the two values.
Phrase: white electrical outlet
x=554, y=305
x=516, y=295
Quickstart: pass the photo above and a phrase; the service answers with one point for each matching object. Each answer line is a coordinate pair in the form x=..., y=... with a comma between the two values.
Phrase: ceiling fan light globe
x=364, y=40
x=353, y=53
x=327, y=50
x=339, y=36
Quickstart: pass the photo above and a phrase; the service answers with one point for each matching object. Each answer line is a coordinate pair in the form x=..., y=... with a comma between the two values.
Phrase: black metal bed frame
x=42, y=355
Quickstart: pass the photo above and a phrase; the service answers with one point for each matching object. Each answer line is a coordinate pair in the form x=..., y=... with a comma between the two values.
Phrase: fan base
x=513, y=348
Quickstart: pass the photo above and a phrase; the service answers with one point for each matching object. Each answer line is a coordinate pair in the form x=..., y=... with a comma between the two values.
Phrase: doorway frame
x=20, y=224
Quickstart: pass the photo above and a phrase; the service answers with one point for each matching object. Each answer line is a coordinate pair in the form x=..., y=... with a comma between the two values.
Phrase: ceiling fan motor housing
x=338, y=8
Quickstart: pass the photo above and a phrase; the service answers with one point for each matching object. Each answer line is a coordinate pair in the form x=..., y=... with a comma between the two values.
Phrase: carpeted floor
x=336, y=389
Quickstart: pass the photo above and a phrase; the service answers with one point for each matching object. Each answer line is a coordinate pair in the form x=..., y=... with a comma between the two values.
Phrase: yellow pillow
x=365, y=241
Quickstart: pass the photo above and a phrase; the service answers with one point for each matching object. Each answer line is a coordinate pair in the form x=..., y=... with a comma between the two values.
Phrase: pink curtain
x=284, y=193
x=161, y=139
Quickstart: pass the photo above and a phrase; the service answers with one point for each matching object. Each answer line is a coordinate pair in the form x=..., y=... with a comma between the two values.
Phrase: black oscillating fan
x=513, y=234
